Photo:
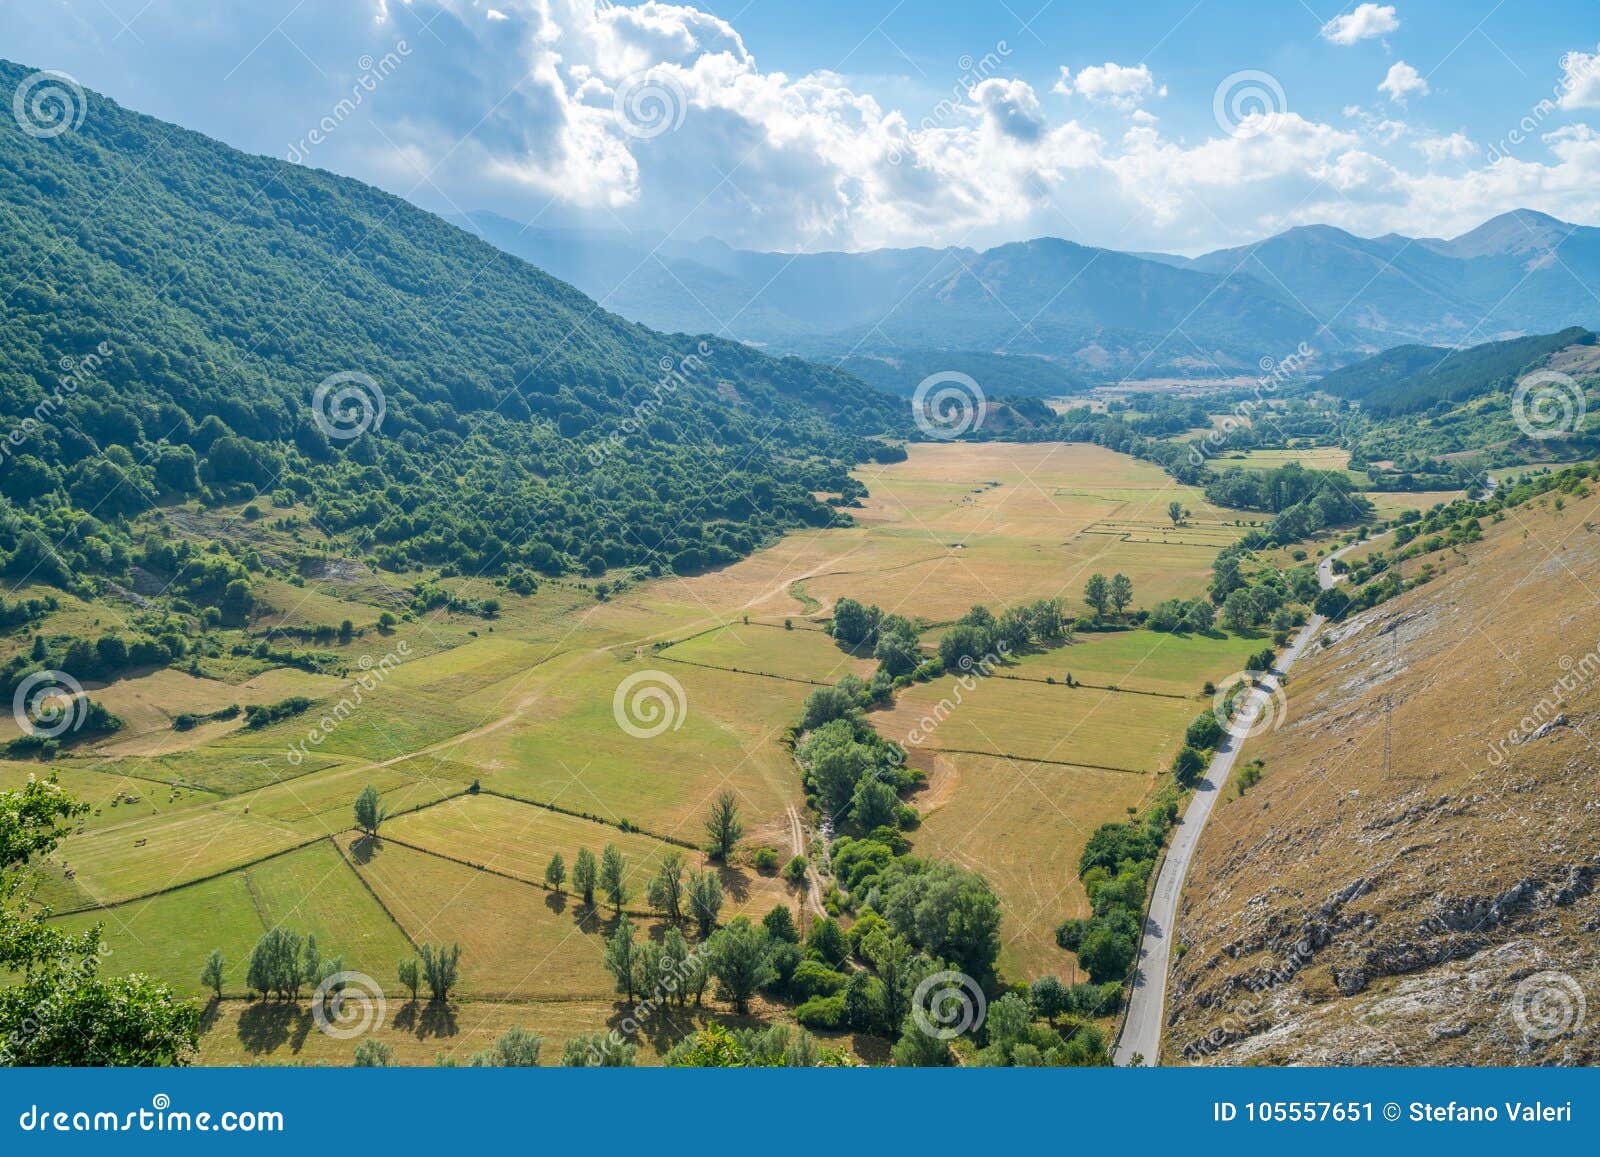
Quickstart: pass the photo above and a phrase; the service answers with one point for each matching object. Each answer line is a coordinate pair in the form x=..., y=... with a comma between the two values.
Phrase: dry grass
x=1386, y=778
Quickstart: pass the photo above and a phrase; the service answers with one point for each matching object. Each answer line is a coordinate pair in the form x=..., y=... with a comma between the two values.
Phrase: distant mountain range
x=1075, y=314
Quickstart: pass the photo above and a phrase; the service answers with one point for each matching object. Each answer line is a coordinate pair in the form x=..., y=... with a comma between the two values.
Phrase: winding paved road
x=1141, y=1032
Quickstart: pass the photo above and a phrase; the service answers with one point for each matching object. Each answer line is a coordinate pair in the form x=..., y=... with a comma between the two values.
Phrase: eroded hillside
x=1412, y=881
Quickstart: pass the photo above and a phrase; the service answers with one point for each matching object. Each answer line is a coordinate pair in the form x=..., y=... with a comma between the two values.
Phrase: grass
x=517, y=941
x=1023, y=826
x=518, y=839
x=525, y=704
x=771, y=650
x=309, y=891
x=1034, y=721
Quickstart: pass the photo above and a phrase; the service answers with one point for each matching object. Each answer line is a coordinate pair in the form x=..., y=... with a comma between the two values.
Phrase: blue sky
x=831, y=124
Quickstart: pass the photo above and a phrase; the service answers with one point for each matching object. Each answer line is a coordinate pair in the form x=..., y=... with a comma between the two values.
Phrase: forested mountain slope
x=1411, y=378
x=172, y=306
x=1411, y=881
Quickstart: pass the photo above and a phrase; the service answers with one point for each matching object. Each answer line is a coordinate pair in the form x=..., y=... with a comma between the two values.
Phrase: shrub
x=821, y=1012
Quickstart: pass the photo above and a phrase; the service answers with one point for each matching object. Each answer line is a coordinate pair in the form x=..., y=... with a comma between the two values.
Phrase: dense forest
x=184, y=322
x=1412, y=378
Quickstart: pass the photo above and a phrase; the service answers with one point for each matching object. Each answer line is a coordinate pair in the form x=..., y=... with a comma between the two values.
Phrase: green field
x=526, y=708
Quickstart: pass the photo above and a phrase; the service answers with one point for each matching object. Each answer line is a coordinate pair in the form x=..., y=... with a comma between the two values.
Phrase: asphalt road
x=1141, y=1032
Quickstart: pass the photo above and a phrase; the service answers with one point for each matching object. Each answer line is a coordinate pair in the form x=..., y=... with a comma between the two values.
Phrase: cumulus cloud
x=1580, y=81
x=1403, y=82
x=1122, y=86
x=1366, y=22
x=1455, y=147
x=660, y=118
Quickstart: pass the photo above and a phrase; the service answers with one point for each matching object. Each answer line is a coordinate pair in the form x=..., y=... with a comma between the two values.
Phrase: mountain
x=1097, y=313
x=1412, y=879
x=1521, y=272
x=176, y=309
x=1411, y=378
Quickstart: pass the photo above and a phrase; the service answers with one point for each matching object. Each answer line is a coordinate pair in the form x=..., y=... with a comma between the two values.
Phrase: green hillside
x=1412, y=378
x=172, y=306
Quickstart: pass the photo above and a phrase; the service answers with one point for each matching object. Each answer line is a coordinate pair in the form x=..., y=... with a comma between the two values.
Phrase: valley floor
x=497, y=742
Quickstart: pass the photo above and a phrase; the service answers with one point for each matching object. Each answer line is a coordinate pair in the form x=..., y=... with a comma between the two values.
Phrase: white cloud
x=1455, y=147
x=519, y=116
x=1367, y=22
x=1122, y=86
x=1403, y=82
x=1580, y=81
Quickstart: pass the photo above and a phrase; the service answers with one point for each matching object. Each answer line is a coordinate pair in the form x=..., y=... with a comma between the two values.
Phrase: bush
x=765, y=860
x=813, y=978
x=821, y=1012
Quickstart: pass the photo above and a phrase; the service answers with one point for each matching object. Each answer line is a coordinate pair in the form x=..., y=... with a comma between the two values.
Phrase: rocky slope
x=1414, y=879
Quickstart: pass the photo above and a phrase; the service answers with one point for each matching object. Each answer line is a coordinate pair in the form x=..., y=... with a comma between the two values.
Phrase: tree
x=555, y=873
x=740, y=961
x=674, y=964
x=1050, y=998
x=1187, y=765
x=724, y=826
x=1175, y=512
x=963, y=646
x=779, y=924
x=584, y=875
x=874, y=805
x=665, y=891
x=441, y=969
x=613, y=877
x=620, y=952
x=373, y=1054
x=705, y=900
x=212, y=974
x=948, y=912
x=1238, y=610
x=795, y=871
x=598, y=1051
x=277, y=964
x=897, y=648
x=825, y=941
x=853, y=623
x=1121, y=592
x=369, y=810
x=516, y=1048
x=1205, y=732
x=410, y=977
x=1097, y=594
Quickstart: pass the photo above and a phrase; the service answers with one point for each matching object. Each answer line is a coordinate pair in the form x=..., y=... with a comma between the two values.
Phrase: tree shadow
x=267, y=1025
x=735, y=882
x=406, y=1019
x=556, y=902
x=364, y=848
x=438, y=1018
x=210, y=1014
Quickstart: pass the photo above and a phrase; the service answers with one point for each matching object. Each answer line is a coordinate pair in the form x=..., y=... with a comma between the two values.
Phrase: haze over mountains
x=1092, y=313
